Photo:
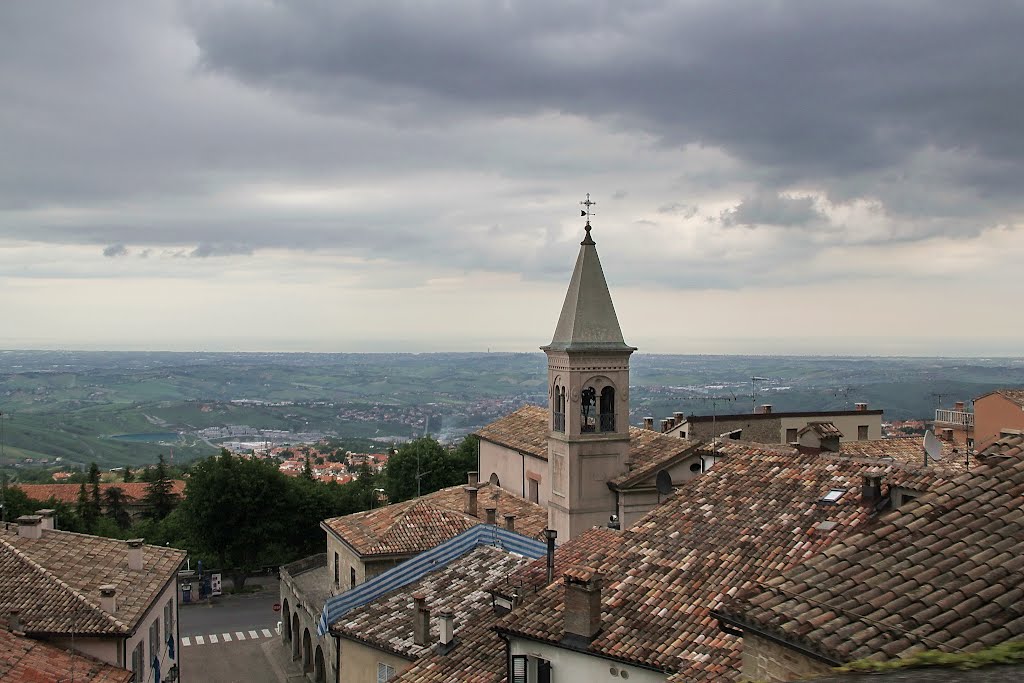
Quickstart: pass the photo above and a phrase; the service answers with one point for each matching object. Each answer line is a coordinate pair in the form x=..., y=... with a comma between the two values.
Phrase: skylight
x=833, y=495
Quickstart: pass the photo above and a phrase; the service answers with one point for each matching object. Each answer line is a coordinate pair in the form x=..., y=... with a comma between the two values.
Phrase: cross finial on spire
x=586, y=212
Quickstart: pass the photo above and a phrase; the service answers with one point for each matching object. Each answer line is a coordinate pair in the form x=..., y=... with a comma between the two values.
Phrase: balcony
x=958, y=418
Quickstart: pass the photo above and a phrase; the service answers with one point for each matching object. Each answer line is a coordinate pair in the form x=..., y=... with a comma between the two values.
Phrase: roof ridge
x=50, y=576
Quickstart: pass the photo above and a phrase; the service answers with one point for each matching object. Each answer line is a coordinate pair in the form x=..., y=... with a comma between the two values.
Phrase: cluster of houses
x=329, y=471
x=765, y=547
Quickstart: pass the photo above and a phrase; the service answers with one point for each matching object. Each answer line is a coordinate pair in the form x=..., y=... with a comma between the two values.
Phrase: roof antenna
x=587, y=212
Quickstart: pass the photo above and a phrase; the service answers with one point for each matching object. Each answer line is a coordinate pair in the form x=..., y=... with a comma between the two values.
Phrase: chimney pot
x=510, y=522
x=766, y=409
x=862, y=407
x=108, y=598
x=947, y=434
x=871, y=489
x=492, y=515
x=420, y=619
x=135, y=554
x=678, y=417
x=470, y=508
x=14, y=622
x=582, y=612
x=30, y=526
x=446, y=628
x=48, y=518
x=472, y=477
x=664, y=425
x=648, y=423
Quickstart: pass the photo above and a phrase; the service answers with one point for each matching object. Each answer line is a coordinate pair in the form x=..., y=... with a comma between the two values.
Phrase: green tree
x=307, y=470
x=129, y=476
x=237, y=512
x=422, y=466
x=116, y=503
x=160, y=498
x=14, y=501
x=86, y=511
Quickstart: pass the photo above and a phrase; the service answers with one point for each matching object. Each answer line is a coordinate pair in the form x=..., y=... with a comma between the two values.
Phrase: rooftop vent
x=108, y=598
x=470, y=507
x=765, y=409
x=446, y=628
x=30, y=526
x=49, y=518
x=135, y=554
x=510, y=522
x=420, y=619
x=472, y=477
x=649, y=423
x=492, y=515
x=862, y=407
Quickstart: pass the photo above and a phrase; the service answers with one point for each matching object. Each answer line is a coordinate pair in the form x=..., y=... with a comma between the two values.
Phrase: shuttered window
x=384, y=672
x=519, y=669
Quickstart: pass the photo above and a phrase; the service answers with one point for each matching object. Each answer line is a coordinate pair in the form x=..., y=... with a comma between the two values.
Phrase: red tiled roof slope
x=134, y=491
x=754, y=514
x=23, y=660
x=944, y=572
x=908, y=450
x=419, y=524
x=54, y=581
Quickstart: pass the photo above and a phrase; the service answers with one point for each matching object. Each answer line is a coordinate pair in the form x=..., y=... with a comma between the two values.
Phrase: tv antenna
x=753, y=392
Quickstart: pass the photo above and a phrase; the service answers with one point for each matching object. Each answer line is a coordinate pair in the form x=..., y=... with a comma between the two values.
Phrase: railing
x=955, y=417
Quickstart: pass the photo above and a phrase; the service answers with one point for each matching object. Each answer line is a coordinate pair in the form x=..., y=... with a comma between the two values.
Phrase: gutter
x=737, y=627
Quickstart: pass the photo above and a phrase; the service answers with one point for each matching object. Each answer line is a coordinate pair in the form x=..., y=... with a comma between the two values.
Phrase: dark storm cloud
x=809, y=90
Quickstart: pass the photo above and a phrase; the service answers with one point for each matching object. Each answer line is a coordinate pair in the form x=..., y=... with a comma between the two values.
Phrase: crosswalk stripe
x=185, y=642
x=226, y=637
x=266, y=633
x=200, y=641
x=239, y=635
x=213, y=638
x=253, y=634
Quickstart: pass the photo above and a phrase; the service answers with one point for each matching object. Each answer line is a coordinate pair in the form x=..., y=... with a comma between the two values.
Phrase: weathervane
x=586, y=212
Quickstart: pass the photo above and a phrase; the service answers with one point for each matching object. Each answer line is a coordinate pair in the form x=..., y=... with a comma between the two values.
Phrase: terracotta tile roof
x=822, y=429
x=943, y=572
x=23, y=660
x=752, y=515
x=419, y=524
x=135, y=491
x=525, y=430
x=1009, y=446
x=649, y=451
x=908, y=450
x=1015, y=395
x=54, y=581
x=387, y=622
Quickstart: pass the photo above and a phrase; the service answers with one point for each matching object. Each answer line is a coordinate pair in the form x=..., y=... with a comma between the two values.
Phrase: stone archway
x=296, y=643
x=286, y=622
x=307, y=652
x=319, y=666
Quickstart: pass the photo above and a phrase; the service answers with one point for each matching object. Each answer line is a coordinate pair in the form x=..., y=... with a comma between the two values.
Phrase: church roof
x=588, y=321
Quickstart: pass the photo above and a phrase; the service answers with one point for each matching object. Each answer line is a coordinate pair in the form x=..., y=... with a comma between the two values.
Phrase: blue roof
x=435, y=558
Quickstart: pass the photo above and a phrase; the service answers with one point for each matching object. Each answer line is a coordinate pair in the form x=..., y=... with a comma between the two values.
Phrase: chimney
x=550, y=535
x=649, y=423
x=470, y=508
x=472, y=477
x=14, y=622
x=492, y=515
x=30, y=526
x=49, y=520
x=861, y=407
x=871, y=488
x=664, y=425
x=582, y=602
x=678, y=417
x=510, y=522
x=766, y=409
x=135, y=554
x=947, y=434
x=446, y=628
x=959, y=407
x=420, y=619
x=108, y=598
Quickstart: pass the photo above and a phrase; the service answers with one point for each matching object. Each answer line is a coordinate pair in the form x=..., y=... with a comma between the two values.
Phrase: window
x=833, y=495
x=558, y=408
x=519, y=669
x=588, y=410
x=530, y=670
x=139, y=662
x=384, y=672
x=608, y=409
x=534, y=490
x=862, y=433
x=351, y=577
x=337, y=570
x=791, y=435
x=154, y=639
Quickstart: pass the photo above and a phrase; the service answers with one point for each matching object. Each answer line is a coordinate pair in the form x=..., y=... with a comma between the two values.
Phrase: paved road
x=231, y=613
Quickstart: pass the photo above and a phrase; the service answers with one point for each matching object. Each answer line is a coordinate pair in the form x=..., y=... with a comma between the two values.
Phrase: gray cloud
x=773, y=209
x=206, y=250
x=115, y=250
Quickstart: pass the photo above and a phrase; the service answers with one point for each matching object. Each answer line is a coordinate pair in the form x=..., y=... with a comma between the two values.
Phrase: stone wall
x=767, y=661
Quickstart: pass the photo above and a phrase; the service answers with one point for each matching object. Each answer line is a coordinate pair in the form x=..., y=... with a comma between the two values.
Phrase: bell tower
x=588, y=399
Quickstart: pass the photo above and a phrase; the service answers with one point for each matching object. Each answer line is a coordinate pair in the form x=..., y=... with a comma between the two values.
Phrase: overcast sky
x=770, y=177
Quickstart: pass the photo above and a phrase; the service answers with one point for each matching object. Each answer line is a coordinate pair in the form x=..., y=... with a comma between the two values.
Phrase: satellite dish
x=932, y=446
x=663, y=483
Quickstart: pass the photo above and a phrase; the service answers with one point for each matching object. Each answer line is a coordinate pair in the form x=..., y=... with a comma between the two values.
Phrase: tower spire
x=586, y=212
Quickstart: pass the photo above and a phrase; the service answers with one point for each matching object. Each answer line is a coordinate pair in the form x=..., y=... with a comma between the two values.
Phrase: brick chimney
x=135, y=554
x=765, y=409
x=959, y=406
x=860, y=407
x=947, y=434
x=649, y=423
x=871, y=488
x=420, y=619
x=582, y=602
x=446, y=628
x=470, y=507
x=30, y=526
x=108, y=598
x=48, y=516
x=492, y=515
x=472, y=477
x=510, y=522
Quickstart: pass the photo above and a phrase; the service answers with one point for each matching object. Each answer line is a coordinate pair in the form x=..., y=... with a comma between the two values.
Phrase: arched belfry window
x=608, y=409
x=588, y=410
x=558, y=408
